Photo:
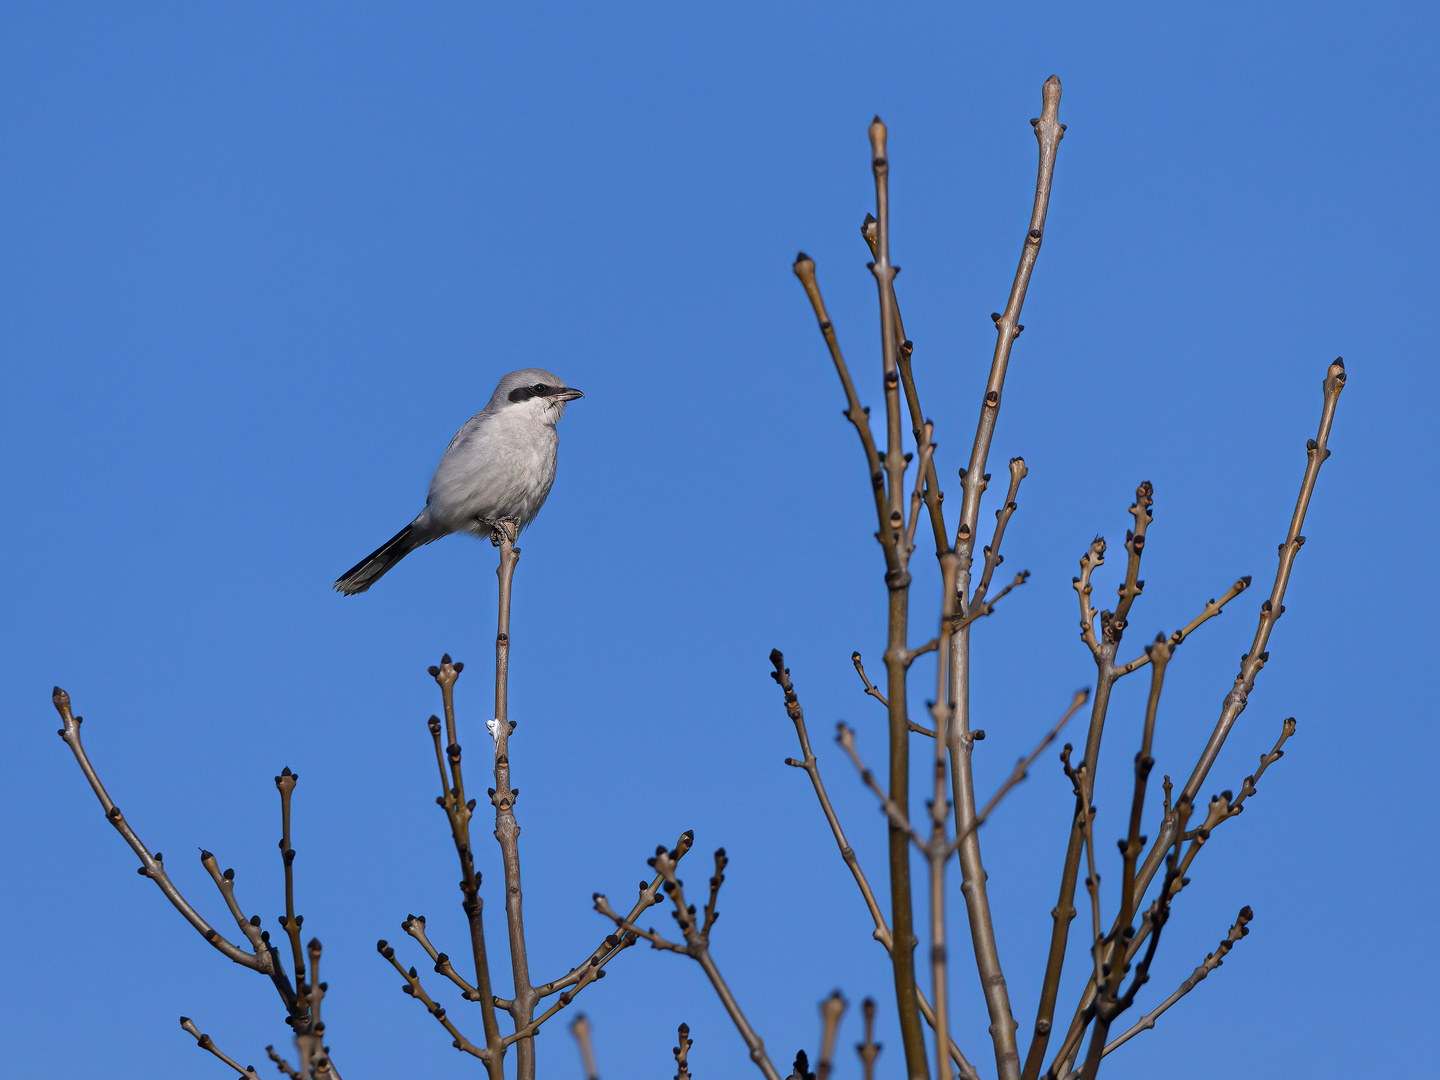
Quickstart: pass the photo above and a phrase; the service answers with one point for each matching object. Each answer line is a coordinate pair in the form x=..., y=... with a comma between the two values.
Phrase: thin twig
x=414, y=925
x=697, y=946
x=870, y=688
x=905, y=349
x=1221, y=809
x=858, y=415
x=1212, y=961
x=1022, y=767
x=993, y=558
x=281, y=1064
x=845, y=736
x=206, y=1043
x=682, y=1052
x=831, y=1010
x=881, y=933
x=868, y=1050
x=580, y=1029
x=150, y=865
x=979, y=611
x=459, y=811
x=414, y=989
x=1250, y=667
x=502, y=797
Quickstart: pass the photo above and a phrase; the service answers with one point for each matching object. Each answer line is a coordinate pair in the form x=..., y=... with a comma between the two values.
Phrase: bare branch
x=150, y=865
x=870, y=688
x=979, y=611
x=882, y=934
x=1085, y=818
x=502, y=797
x=831, y=1010
x=682, y=1052
x=413, y=988
x=905, y=350
x=846, y=738
x=869, y=1050
x=459, y=811
x=1022, y=767
x=580, y=1028
x=1270, y=611
x=206, y=1043
x=1212, y=961
x=593, y=972
x=1094, y=557
x=805, y=270
x=1131, y=587
x=993, y=558
x=414, y=925
x=697, y=947
x=1212, y=608
x=280, y=1063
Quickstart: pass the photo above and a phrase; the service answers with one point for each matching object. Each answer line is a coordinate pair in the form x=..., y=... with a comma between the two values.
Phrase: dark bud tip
x=433, y=670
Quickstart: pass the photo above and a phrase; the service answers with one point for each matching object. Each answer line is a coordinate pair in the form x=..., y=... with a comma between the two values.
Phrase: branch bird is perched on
x=495, y=474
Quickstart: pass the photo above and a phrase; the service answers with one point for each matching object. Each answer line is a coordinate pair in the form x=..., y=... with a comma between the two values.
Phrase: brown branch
x=831, y=1010
x=280, y=1063
x=870, y=688
x=845, y=736
x=905, y=349
x=414, y=925
x=206, y=1043
x=593, y=972
x=993, y=558
x=1270, y=611
x=459, y=811
x=897, y=581
x=881, y=933
x=1212, y=961
x=580, y=1028
x=682, y=1052
x=1221, y=809
x=1048, y=133
x=1022, y=767
x=1093, y=558
x=869, y=1050
x=503, y=796
x=413, y=988
x=1212, y=608
x=857, y=415
x=979, y=611
x=150, y=865
x=290, y=922
x=697, y=945
x=1132, y=586
x=650, y=895
x=1107, y=1007
x=1085, y=819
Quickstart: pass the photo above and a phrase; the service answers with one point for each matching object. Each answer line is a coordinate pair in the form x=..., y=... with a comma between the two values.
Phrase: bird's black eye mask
x=525, y=393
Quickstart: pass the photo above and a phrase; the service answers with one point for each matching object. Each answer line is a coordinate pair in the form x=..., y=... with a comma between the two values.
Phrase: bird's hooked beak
x=567, y=394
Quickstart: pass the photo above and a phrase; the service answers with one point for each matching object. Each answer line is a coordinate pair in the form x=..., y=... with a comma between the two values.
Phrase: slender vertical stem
x=507, y=830
x=1048, y=132
x=897, y=580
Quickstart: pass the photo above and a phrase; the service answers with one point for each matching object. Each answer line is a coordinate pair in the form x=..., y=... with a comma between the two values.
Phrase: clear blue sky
x=260, y=263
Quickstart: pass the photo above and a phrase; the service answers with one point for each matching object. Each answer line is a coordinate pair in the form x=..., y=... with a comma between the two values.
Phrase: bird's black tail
x=371, y=568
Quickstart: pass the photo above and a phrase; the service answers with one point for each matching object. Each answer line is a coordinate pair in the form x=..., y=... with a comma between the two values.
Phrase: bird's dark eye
x=540, y=389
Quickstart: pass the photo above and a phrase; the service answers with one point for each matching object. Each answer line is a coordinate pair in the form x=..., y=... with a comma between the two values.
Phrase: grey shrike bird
x=495, y=473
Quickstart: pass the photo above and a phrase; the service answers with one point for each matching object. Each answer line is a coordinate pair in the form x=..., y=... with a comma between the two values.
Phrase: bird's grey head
x=538, y=392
